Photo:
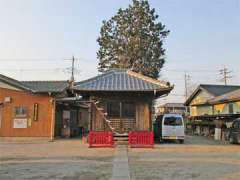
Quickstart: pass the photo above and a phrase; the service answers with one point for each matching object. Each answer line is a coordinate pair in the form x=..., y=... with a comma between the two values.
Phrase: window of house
x=121, y=109
x=128, y=110
x=230, y=107
x=113, y=109
x=20, y=111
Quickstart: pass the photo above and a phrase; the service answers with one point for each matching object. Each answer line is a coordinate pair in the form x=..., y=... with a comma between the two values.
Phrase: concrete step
x=121, y=140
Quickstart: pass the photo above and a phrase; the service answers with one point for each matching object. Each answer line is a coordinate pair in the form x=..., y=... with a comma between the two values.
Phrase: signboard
x=19, y=123
x=35, y=112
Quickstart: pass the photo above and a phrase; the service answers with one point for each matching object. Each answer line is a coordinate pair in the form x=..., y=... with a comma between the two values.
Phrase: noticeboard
x=20, y=123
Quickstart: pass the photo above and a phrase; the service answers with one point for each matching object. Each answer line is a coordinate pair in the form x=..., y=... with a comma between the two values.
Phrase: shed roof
x=121, y=80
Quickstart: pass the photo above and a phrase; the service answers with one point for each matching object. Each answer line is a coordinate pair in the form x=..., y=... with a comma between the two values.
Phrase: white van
x=172, y=127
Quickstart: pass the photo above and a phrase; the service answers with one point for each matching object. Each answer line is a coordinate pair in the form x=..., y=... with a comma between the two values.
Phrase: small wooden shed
x=121, y=100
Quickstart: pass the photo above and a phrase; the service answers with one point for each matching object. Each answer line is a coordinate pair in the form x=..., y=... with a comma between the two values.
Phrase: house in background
x=27, y=108
x=198, y=101
x=212, y=108
x=121, y=100
x=177, y=108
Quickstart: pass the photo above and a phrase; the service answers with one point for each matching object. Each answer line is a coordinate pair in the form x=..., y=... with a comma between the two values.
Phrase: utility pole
x=225, y=73
x=72, y=69
x=187, y=77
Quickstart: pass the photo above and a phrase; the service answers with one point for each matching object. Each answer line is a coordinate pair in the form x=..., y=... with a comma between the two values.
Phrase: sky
x=37, y=39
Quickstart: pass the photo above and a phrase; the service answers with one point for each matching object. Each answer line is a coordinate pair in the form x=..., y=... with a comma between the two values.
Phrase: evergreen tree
x=133, y=39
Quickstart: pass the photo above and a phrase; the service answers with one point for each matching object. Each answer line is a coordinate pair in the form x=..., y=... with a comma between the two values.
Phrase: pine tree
x=133, y=39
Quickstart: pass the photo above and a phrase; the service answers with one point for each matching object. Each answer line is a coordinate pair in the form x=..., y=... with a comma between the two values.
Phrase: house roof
x=36, y=86
x=121, y=80
x=13, y=82
x=215, y=90
x=231, y=96
x=173, y=105
x=46, y=86
x=218, y=90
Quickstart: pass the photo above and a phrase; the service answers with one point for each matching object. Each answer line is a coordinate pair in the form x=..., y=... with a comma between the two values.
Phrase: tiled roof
x=46, y=86
x=13, y=82
x=234, y=95
x=36, y=86
x=121, y=80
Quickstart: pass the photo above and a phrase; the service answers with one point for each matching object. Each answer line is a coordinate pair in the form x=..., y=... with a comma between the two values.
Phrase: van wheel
x=181, y=141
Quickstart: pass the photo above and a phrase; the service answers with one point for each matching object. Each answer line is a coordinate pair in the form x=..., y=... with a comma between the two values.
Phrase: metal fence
x=100, y=139
x=141, y=139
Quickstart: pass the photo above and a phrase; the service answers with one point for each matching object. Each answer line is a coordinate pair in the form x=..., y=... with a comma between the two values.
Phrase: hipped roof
x=122, y=80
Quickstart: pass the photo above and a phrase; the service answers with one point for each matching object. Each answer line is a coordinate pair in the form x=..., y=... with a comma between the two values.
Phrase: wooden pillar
x=90, y=117
x=52, y=100
x=150, y=106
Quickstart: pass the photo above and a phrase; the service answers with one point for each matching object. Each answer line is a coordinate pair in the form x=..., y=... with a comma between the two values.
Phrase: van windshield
x=173, y=121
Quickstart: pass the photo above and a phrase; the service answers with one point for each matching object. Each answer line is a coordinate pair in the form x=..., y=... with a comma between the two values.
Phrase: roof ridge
x=146, y=78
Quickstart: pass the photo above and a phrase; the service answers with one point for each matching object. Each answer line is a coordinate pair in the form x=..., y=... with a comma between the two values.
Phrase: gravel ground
x=199, y=158
x=59, y=160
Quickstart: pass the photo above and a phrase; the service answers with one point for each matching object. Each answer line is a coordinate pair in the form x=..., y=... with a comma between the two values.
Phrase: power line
x=42, y=59
x=31, y=59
